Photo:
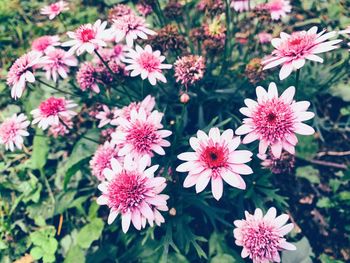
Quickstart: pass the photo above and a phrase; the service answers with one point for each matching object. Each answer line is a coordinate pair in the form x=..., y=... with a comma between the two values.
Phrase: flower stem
x=55, y=88
x=62, y=22
x=297, y=77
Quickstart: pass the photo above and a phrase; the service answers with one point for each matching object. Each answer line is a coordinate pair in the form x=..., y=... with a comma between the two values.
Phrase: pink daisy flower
x=274, y=120
x=53, y=111
x=54, y=9
x=62, y=128
x=106, y=116
x=12, y=131
x=262, y=236
x=58, y=63
x=215, y=158
x=278, y=8
x=292, y=50
x=146, y=63
x=132, y=191
x=141, y=135
x=240, y=5
x=41, y=44
x=87, y=77
x=130, y=27
x=87, y=38
x=102, y=159
x=264, y=37
x=22, y=71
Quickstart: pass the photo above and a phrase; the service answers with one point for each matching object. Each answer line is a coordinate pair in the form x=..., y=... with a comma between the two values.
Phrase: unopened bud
x=172, y=211
x=184, y=98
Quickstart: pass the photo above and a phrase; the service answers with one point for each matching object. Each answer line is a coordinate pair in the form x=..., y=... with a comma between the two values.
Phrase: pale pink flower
x=130, y=27
x=189, y=69
x=141, y=135
x=274, y=120
x=264, y=37
x=215, y=159
x=102, y=159
x=41, y=44
x=106, y=116
x=53, y=111
x=22, y=71
x=146, y=63
x=132, y=191
x=54, y=9
x=144, y=9
x=87, y=38
x=87, y=77
x=278, y=8
x=12, y=131
x=240, y=5
x=292, y=50
x=62, y=128
x=111, y=54
x=262, y=236
x=58, y=63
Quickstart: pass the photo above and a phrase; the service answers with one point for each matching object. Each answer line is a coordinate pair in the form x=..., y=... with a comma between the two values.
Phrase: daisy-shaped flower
x=54, y=9
x=58, y=63
x=274, y=120
x=146, y=63
x=22, y=71
x=87, y=38
x=240, y=5
x=53, y=111
x=87, y=77
x=12, y=131
x=132, y=191
x=130, y=27
x=215, y=158
x=278, y=8
x=102, y=159
x=41, y=44
x=106, y=116
x=141, y=135
x=292, y=50
x=262, y=237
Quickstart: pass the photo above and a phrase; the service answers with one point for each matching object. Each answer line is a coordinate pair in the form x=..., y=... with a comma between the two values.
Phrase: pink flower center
x=149, y=62
x=8, y=131
x=143, y=136
x=52, y=106
x=276, y=5
x=85, y=33
x=214, y=156
x=298, y=45
x=41, y=44
x=127, y=191
x=273, y=120
x=261, y=241
x=55, y=7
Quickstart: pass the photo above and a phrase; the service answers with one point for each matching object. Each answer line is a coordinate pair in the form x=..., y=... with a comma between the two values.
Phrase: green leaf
x=63, y=201
x=344, y=196
x=48, y=257
x=324, y=202
x=75, y=254
x=307, y=147
x=302, y=254
x=51, y=246
x=36, y=253
x=223, y=258
x=309, y=173
x=40, y=150
x=90, y=233
x=327, y=259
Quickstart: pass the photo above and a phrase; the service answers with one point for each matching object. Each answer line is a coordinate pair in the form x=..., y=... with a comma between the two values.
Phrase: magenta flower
x=215, y=158
x=146, y=63
x=54, y=9
x=189, y=69
x=278, y=8
x=292, y=50
x=102, y=159
x=133, y=192
x=87, y=38
x=41, y=44
x=22, y=71
x=12, y=131
x=53, y=111
x=106, y=116
x=240, y=5
x=274, y=120
x=141, y=135
x=58, y=63
x=130, y=27
x=262, y=236
x=87, y=77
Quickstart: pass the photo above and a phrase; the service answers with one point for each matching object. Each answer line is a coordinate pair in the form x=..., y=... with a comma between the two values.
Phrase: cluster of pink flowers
x=54, y=9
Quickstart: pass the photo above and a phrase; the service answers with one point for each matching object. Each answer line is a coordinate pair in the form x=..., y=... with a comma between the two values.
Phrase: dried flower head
x=173, y=10
x=189, y=69
x=118, y=11
x=283, y=165
x=254, y=71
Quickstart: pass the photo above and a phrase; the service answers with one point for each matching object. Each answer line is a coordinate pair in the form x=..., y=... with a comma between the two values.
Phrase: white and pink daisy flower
x=274, y=120
x=54, y=9
x=22, y=71
x=106, y=116
x=102, y=159
x=12, y=131
x=58, y=63
x=240, y=5
x=142, y=135
x=132, y=191
x=215, y=159
x=53, y=111
x=41, y=44
x=146, y=63
x=264, y=37
x=262, y=237
x=278, y=8
x=130, y=27
x=292, y=50
x=87, y=38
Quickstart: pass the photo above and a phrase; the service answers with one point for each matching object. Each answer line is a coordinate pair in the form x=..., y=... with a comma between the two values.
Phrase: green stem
x=55, y=88
x=47, y=184
x=297, y=77
x=62, y=22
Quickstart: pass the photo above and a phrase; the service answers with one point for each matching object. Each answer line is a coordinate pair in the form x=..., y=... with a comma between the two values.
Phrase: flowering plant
x=162, y=131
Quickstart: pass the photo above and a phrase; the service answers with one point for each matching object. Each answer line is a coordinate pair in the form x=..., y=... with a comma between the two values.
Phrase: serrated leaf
x=90, y=233
x=309, y=173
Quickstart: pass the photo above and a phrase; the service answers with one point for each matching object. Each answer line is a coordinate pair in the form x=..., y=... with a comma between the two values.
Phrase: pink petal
x=217, y=187
x=303, y=129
